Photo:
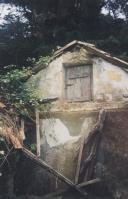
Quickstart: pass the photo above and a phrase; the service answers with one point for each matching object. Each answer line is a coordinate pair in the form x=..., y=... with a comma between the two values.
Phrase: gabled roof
x=92, y=49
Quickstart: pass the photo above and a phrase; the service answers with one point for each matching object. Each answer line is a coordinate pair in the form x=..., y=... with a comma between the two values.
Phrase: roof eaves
x=107, y=56
x=93, y=50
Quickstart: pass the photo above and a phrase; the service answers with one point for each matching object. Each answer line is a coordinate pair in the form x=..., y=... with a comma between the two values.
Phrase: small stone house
x=79, y=81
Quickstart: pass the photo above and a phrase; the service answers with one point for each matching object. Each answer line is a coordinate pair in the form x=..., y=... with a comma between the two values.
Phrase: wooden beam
x=94, y=139
x=97, y=127
x=49, y=169
x=37, y=132
x=79, y=159
x=90, y=182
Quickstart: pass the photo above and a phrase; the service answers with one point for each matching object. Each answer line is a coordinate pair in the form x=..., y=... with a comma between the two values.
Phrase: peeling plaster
x=56, y=133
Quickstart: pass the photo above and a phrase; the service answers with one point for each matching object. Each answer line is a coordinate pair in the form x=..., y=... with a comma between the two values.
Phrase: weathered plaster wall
x=48, y=82
x=109, y=81
x=60, y=139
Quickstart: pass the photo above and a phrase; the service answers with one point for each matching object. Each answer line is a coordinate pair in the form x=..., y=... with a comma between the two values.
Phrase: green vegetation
x=14, y=93
x=17, y=96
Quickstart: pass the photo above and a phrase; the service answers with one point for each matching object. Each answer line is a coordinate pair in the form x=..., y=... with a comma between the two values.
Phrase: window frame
x=71, y=65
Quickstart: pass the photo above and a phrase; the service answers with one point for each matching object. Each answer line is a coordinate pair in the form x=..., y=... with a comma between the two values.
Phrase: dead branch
x=5, y=158
x=10, y=129
x=11, y=137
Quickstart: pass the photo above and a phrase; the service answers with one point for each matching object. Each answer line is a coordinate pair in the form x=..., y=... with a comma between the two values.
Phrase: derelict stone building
x=80, y=80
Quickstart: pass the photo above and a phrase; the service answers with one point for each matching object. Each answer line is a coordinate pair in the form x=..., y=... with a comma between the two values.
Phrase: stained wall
x=67, y=122
x=109, y=82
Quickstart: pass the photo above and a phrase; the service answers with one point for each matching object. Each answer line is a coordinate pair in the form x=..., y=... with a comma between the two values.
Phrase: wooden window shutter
x=78, y=83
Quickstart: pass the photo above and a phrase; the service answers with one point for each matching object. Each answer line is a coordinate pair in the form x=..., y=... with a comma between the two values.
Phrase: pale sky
x=105, y=11
x=5, y=9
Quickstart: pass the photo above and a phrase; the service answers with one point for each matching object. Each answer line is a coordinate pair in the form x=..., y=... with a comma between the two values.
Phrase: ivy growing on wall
x=16, y=96
x=14, y=92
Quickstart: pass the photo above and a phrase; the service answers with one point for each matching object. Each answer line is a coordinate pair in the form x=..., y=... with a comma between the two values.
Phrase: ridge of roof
x=92, y=48
x=71, y=44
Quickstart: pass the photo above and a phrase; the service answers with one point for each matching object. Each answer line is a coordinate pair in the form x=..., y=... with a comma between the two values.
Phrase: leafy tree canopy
x=38, y=26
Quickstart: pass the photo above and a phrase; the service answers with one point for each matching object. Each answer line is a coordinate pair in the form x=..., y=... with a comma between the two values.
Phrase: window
x=78, y=83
